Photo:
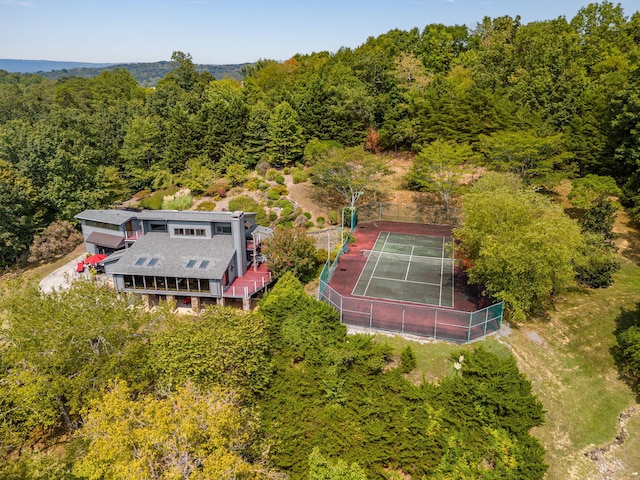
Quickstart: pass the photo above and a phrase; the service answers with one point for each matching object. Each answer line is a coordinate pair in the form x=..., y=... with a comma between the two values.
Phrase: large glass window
x=150, y=283
x=138, y=282
x=128, y=281
x=161, y=283
x=192, y=284
x=182, y=285
x=172, y=284
x=108, y=226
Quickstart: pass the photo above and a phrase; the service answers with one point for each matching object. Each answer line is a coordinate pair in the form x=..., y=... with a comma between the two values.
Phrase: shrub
x=273, y=194
x=333, y=217
x=55, y=241
x=307, y=214
x=309, y=224
x=236, y=174
x=154, y=201
x=407, y=360
x=263, y=185
x=279, y=179
x=262, y=168
x=244, y=204
x=598, y=264
x=271, y=174
x=299, y=177
x=286, y=170
x=206, y=206
x=300, y=221
x=142, y=194
x=281, y=189
x=320, y=221
x=181, y=200
x=252, y=184
x=219, y=188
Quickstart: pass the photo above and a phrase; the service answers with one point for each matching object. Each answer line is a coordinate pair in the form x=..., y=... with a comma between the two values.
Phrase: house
x=187, y=256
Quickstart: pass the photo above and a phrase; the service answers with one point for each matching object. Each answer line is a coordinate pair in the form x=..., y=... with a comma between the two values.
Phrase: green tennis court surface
x=411, y=268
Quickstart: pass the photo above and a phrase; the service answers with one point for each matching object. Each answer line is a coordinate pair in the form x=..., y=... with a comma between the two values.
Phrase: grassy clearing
x=568, y=360
x=433, y=359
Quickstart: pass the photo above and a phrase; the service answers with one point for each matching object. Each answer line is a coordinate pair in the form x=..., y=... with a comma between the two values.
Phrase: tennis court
x=409, y=268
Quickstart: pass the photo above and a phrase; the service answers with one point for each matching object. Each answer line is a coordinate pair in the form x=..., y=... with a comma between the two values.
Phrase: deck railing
x=248, y=287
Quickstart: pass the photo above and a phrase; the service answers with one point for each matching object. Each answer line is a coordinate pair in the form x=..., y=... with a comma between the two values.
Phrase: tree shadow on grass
x=627, y=333
x=628, y=238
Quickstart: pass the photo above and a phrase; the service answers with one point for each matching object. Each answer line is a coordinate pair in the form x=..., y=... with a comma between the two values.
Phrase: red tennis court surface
x=471, y=318
x=351, y=264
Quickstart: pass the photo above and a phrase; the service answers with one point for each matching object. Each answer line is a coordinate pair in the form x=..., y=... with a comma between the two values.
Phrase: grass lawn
x=569, y=362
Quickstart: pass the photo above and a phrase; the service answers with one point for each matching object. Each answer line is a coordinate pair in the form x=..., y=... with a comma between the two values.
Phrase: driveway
x=61, y=278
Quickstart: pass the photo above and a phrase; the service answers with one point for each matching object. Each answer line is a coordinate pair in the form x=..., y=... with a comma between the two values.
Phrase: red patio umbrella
x=95, y=259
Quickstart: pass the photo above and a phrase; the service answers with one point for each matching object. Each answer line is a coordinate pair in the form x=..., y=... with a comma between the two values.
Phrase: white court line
x=365, y=265
x=376, y=265
x=405, y=281
x=406, y=274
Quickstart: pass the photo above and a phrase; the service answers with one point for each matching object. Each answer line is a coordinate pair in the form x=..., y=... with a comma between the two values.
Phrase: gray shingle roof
x=105, y=240
x=187, y=215
x=173, y=256
x=114, y=217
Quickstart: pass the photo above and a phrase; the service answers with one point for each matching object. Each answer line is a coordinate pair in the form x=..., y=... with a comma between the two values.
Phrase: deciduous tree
x=440, y=168
x=348, y=172
x=185, y=435
x=521, y=247
x=290, y=249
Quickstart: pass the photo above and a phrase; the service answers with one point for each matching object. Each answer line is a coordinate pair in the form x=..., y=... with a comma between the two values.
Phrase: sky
x=234, y=31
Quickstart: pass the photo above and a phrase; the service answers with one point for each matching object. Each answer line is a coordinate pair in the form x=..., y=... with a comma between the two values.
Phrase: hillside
x=146, y=74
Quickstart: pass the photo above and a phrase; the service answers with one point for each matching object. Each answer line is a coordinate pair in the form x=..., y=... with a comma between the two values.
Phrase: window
x=193, y=285
x=141, y=260
x=108, y=226
x=223, y=228
x=204, y=264
x=190, y=232
x=153, y=261
x=191, y=263
x=158, y=227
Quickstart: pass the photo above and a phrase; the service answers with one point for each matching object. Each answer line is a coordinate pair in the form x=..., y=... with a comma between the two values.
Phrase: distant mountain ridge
x=37, y=66
x=146, y=74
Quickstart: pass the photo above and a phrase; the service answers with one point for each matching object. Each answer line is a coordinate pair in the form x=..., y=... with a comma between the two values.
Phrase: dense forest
x=544, y=100
x=536, y=104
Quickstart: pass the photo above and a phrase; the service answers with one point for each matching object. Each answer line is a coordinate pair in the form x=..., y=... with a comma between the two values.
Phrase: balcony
x=132, y=236
x=251, y=282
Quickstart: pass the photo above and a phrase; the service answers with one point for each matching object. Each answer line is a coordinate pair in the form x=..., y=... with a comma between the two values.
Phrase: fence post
x=435, y=325
x=341, y=317
x=486, y=320
x=371, y=315
x=403, y=318
x=469, y=331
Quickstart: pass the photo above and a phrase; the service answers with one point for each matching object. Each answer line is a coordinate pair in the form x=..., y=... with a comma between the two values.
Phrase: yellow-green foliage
x=164, y=437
